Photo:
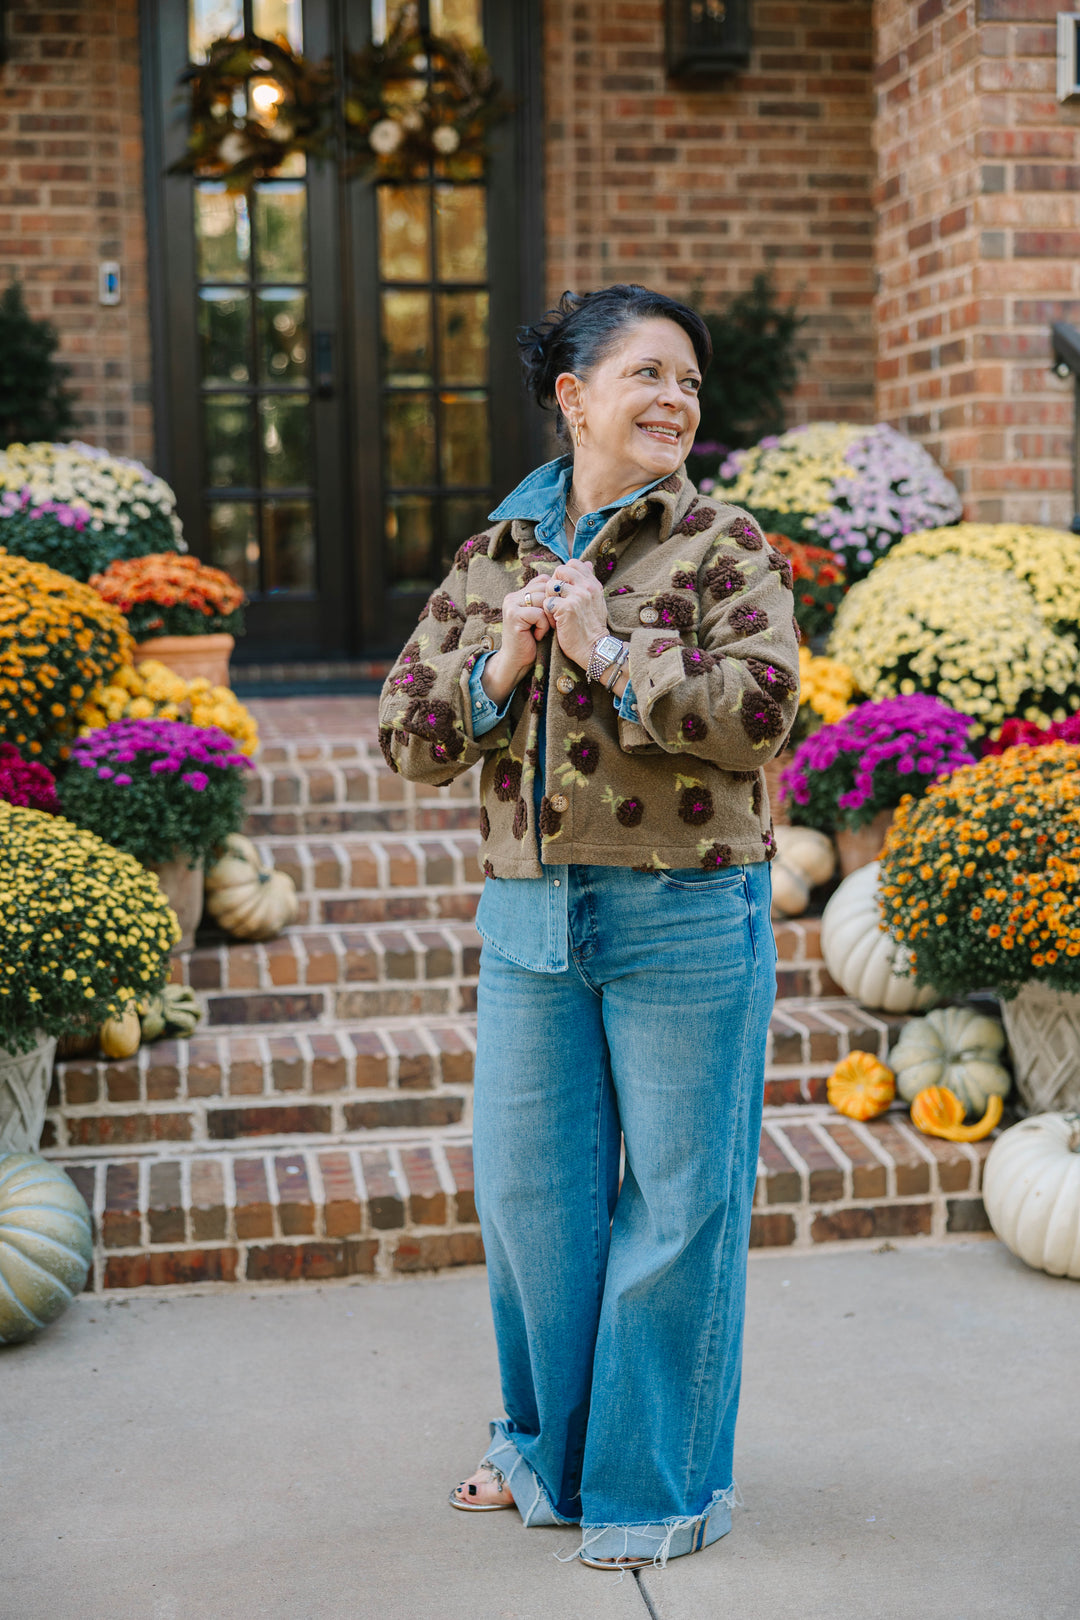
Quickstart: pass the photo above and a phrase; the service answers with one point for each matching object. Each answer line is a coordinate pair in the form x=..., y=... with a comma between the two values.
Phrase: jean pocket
x=695, y=877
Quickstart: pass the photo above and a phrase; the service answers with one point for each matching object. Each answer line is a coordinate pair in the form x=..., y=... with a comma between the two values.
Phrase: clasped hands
x=568, y=601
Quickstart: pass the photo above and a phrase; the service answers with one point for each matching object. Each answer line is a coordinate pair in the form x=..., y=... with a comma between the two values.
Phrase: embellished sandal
x=615, y=1563
x=498, y=1479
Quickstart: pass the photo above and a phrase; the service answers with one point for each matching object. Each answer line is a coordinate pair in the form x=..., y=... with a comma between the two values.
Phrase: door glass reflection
x=272, y=17
x=229, y=442
x=404, y=235
x=463, y=337
x=223, y=233
x=209, y=20
x=409, y=534
x=465, y=437
x=225, y=335
x=461, y=232
x=288, y=546
x=281, y=232
x=406, y=338
x=233, y=542
x=410, y=439
x=285, y=429
x=284, y=346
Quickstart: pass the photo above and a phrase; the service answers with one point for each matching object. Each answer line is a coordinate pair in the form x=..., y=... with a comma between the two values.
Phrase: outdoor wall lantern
x=707, y=39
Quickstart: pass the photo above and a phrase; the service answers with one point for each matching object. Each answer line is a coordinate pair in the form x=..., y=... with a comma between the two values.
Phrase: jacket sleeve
x=732, y=698
x=425, y=710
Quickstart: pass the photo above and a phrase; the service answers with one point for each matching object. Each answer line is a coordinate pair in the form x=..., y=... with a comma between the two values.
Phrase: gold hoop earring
x=577, y=433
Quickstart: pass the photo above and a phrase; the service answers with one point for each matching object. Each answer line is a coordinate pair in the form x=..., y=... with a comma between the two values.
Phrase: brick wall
x=652, y=182
x=71, y=194
x=978, y=247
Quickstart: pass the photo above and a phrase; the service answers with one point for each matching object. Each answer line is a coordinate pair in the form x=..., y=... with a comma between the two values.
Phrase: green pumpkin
x=954, y=1047
x=174, y=1011
x=45, y=1244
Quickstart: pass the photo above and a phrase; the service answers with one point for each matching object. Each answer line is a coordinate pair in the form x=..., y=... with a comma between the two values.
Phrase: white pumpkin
x=858, y=952
x=804, y=858
x=955, y=1047
x=1031, y=1189
x=249, y=899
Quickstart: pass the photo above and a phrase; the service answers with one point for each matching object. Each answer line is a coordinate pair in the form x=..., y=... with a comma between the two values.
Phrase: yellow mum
x=153, y=691
x=1046, y=560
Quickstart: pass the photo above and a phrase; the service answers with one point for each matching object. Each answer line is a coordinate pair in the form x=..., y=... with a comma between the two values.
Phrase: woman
x=621, y=655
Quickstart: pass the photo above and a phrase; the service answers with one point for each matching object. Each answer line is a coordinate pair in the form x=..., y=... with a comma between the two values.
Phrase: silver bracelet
x=613, y=674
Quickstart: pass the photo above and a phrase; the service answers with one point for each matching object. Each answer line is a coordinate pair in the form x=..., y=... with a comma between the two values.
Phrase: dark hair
x=582, y=328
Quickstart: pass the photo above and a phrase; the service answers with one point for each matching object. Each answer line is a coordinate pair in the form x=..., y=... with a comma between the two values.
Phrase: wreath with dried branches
x=418, y=99
x=235, y=137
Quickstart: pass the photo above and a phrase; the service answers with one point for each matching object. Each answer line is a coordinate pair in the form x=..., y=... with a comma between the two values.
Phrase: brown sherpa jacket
x=706, y=606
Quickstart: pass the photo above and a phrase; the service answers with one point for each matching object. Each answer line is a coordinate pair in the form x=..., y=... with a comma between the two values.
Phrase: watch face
x=608, y=647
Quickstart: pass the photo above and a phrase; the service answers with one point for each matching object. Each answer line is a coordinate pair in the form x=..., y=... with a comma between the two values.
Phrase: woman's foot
x=483, y=1491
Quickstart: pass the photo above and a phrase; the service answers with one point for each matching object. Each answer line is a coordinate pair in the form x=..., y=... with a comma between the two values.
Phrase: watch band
x=605, y=650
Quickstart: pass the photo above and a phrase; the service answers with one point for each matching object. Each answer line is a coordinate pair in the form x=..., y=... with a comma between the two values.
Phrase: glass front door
x=325, y=380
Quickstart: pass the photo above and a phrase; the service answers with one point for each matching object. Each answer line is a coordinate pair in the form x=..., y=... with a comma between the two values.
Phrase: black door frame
x=352, y=617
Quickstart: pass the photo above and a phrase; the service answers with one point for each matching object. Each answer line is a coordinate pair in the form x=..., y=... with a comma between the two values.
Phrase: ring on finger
x=528, y=599
x=551, y=604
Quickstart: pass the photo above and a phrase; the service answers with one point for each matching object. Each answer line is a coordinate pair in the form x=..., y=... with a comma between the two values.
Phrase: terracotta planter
x=1043, y=1027
x=190, y=656
x=857, y=849
x=24, y=1088
x=772, y=769
x=183, y=886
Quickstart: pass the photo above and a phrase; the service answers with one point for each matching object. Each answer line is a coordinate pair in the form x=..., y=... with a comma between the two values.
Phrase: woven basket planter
x=24, y=1090
x=1043, y=1027
x=183, y=888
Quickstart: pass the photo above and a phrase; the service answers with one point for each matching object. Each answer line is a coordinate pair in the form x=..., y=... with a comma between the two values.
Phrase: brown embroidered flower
x=743, y=776
x=507, y=783
x=663, y=644
x=605, y=565
x=450, y=749
x=414, y=680
x=533, y=757
x=578, y=703
x=485, y=823
x=755, y=796
x=429, y=718
x=696, y=661
x=410, y=653
x=797, y=627
x=696, y=806
x=770, y=678
x=715, y=856
x=697, y=520
x=693, y=727
x=674, y=612
x=769, y=842
x=724, y=579
x=780, y=565
x=683, y=580
x=744, y=534
x=761, y=716
x=672, y=483
x=584, y=754
x=536, y=697
x=475, y=546
x=452, y=639
x=521, y=819
x=444, y=607
x=386, y=734
x=489, y=870
x=749, y=621
x=550, y=820
x=630, y=811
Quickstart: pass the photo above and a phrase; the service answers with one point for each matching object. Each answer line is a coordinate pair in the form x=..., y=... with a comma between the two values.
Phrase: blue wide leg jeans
x=619, y=1310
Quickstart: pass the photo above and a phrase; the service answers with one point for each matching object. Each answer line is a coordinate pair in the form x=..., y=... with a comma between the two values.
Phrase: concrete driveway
x=909, y=1449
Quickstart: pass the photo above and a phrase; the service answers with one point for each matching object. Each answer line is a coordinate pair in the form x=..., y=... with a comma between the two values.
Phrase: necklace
x=573, y=512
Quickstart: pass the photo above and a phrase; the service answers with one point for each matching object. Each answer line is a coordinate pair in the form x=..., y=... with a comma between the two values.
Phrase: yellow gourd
x=861, y=1086
x=119, y=1037
x=939, y=1112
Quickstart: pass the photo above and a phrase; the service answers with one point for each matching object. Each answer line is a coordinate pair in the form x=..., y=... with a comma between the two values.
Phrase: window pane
x=466, y=448
x=224, y=234
x=406, y=338
x=404, y=237
x=209, y=20
x=229, y=460
x=286, y=441
x=459, y=17
x=288, y=546
x=281, y=232
x=410, y=439
x=273, y=17
x=284, y=344
x=461, y=232
x=463, y=337
x=233, y=545
x=225, y=331
x=409, y=530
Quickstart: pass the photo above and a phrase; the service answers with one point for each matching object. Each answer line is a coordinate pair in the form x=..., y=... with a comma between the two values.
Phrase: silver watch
x=604, y=654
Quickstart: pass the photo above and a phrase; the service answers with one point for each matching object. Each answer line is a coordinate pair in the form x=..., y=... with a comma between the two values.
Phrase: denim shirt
x=524, y=920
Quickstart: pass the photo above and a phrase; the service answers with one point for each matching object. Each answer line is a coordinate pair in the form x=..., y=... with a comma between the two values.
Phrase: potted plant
x=154, y=692
x=181, y=612
x=58, y=640
x=818, y=582
x=849, y=777
x=76, y=507
x=84, y=932
x=166, y=792
x=25, y=782
x=980, y=879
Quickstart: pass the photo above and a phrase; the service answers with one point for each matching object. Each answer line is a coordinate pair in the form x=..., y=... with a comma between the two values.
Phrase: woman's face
x=639, y=406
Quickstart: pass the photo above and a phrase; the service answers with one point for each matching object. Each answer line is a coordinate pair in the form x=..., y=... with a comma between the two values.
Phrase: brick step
x=380, y=877
x=362, y=1078
x=326, y=788
x=302, y=1211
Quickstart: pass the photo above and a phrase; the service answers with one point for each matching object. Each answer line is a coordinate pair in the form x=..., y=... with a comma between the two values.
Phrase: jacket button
x=639, y=510
x=648, y=615
x=566, y=684
x=487, y=644
x=559, y=803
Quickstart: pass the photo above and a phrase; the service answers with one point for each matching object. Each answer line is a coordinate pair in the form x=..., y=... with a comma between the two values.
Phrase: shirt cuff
x=627, y=705
x=485, y=713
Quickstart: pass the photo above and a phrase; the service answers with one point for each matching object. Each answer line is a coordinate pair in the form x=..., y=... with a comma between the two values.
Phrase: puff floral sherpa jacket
x=706, y=606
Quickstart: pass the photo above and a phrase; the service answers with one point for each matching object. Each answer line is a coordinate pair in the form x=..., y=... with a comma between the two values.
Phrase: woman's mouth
x=664, y=432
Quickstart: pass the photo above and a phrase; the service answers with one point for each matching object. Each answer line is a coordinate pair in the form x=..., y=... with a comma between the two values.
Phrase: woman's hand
x=524, y=623
x=577, y=610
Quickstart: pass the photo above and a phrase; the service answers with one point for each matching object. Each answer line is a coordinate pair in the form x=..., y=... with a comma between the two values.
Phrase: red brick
x=427, y=1200
x=296, y=1207
x=209, y=1215
x=826, y=1178
x=165, y=1207
x=459, y=1158
x=343, y=1212
x=772, y=1231
x=385, y=1206
x=286, y=1262
x=783, y=1180
x=254, y=1212
x=432, y=1252
x=120, y=1223
x=886, y=1221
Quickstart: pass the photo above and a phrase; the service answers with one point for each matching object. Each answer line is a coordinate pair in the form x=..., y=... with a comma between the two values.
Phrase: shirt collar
x=542, y=495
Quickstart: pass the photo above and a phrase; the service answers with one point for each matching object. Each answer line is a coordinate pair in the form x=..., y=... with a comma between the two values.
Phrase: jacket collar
x=515, y=518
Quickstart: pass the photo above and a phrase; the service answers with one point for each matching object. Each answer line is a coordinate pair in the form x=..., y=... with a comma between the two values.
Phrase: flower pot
x=190, y=656
x=859, y=848
x=24, y=1089
x=772, y=769
x=183, y=887
x=1043, y=1027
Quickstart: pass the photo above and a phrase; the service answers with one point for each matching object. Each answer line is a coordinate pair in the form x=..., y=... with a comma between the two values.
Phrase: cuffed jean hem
x=666, y=1538
x=529, y=1492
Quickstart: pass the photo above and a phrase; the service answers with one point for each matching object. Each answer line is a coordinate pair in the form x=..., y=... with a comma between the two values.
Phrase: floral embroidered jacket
x=706, y=606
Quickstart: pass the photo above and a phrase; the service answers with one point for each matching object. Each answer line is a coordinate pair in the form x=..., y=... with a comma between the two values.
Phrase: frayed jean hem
x=664, y=1539
x=529, y=1492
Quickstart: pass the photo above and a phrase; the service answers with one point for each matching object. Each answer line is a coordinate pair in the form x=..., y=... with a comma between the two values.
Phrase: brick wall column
x=978, y=246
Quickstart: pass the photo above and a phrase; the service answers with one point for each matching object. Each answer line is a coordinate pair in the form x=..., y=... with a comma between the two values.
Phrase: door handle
x=324, y=365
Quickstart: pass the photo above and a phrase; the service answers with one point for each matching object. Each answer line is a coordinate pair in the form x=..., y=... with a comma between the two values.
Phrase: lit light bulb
x=265, y=95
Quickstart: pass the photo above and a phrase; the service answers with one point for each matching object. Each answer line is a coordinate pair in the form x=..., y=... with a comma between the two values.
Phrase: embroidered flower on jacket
x=507, y=782
x=429, y=718
x=696, y=661
x=693, y=727
x=450, y=749
x=442, y=607
x=452, y=639
x=761, y=716
x=772, y=679
x=536, y=697
x=769, y=842
x=749, y=621
x=663, y=644
x=489, y=870
x=386, y=736
x=780, y=565
x=485, y=823
x=550, y=820
x=605, y=565
x=695, y=803
x=674, y=612
x=683, y=579
x=725, y=578
x=475, y=546
x=672, y=483
x=697, y=520
x=755, y=796
x=414, y=680
x=521, y=819
x=578, y=703
x=714, y=855
x=584, y=753
x=629, y=812
x=744, y=534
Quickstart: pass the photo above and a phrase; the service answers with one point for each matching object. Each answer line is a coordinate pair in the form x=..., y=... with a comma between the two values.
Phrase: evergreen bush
x=34, y=404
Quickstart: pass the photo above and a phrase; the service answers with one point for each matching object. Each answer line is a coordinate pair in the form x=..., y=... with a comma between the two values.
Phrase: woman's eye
x=693, y=383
